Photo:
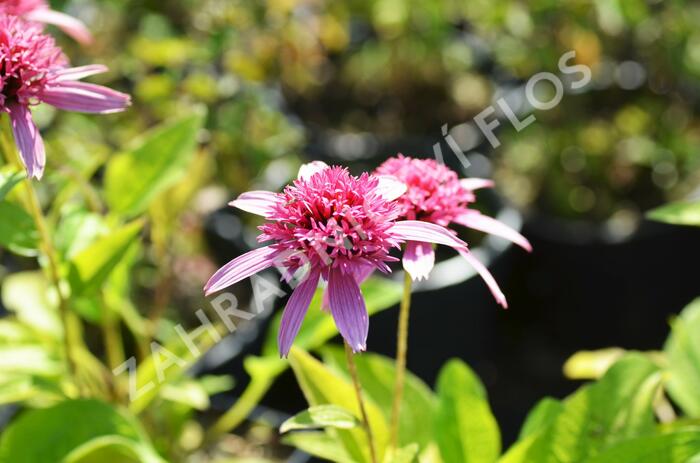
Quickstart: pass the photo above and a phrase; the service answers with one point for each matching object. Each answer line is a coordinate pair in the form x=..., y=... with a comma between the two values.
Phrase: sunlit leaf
x=541, y=416
x=683, y=352
x=92, y=266
x=9, y=179
x=27, y=295
x=676, y=447
x=588, y=364
x=322, y=386
x=51, y=434
x=681, y=213
x=133, y=179
x=17, y=230
x=321, y=416
x=320, y=445
x=465, y=429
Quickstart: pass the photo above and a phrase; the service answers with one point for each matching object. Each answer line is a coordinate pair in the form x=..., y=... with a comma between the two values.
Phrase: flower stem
x=34, y=208
x=401, y=350
x=360, y=401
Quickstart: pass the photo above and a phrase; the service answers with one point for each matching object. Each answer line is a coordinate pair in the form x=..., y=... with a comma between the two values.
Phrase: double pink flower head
x=330, y=225
x=34, y=70
x=39, y=11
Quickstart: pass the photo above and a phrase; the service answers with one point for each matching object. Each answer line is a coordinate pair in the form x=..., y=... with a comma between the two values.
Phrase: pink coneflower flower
x=333, y=226
x=39, y=11
x=34, y=70
x=435, y=194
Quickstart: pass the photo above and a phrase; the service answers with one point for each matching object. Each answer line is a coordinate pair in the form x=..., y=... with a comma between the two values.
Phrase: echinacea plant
x=35, y=70
x=333, y=226
x=435, y=194
x=39, y=11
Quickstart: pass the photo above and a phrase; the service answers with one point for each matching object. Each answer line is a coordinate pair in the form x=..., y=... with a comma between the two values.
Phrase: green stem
x=240, y=410
x=34, y=208
x=401, y=350
x=360, y=401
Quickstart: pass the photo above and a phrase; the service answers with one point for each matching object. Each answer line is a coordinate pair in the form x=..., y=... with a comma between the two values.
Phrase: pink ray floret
x=333, y=226
x=39, y=11
x=436, y=194
x=34, y=70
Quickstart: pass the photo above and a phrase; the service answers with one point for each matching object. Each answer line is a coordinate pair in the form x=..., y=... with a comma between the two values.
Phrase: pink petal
x=306, y=171
x=472, y=184
x=84, y=97
x=240, y=268
x=79, y=72
x=477, y=221
x=361, y=272
x=486, y=276
x=415, y=230
x=28, y=139
x=295, y=310
x=68, y=24
x=389, y=187
x=418, y=259
x=348, y=308
x=257, y=202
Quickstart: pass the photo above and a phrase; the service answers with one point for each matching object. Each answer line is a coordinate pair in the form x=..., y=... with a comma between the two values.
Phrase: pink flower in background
x=435, y=194
x=39, y=11
x=333, y=226
x=34, y=70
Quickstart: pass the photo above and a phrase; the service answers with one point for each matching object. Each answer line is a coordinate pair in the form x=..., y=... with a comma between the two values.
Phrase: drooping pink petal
x=240, y=268
x=348, y=308
x=79, y=72
x=85, y=97
x=68, y=24
x=472, y=184
x=28, y=139
x=416, y=230
x=295, y=310
x=256, y=202
x=361, y=272
x=477, y=221
x=306, y=171
x=390, y=188
x=486, y=276
x=418, y=259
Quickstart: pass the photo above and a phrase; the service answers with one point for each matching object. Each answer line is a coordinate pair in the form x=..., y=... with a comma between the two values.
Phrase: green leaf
x=52, y=434
x=683, y=352
x=17, y=230
x=319, y=444
x=465, y=428
x=77, y=230
x=27, y=294
x=591, y=364
x=322, y=386
x=9, y=179
x=377, y=375
x=540, y=416
x=599, y=415
x=321, y=416
x=677, y=447
x=405, y=454
x=133, y=179
x=89, y=269
x=680, y=213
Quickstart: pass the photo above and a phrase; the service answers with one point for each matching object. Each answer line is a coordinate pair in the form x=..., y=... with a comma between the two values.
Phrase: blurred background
x=354, y=82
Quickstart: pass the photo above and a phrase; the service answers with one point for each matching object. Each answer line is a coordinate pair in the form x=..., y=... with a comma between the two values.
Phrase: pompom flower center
x=330, y=218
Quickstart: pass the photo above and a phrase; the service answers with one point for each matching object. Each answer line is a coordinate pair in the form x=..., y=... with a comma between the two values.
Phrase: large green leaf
x=676, y=447
x=617, y=407
x=465, y=429
x=17, y=230
x=321, y=416
x=52, y=434
x=681, y=213
x=541, y=416
x=133, y=179
x=89, y=269
x=683, y=352
x=322, y=386
x=377, y=375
